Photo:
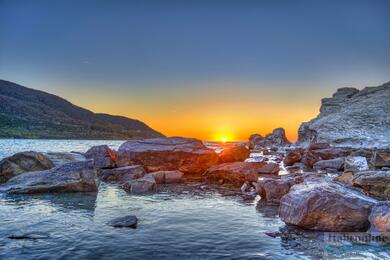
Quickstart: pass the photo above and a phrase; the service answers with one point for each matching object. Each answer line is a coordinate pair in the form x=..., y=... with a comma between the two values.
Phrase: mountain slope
x=29, y=113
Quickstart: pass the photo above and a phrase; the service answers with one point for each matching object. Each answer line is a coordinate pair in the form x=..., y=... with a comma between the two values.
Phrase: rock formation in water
x=351, y=118
x=29, y=113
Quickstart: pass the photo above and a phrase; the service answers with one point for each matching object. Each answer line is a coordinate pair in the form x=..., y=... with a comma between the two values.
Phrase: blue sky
x=155, y=54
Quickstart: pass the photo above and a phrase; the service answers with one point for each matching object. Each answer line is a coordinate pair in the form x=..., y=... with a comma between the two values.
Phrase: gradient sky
x=197, y=68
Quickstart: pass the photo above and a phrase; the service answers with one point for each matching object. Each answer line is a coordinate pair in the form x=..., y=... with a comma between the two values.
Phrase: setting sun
x=224, y=139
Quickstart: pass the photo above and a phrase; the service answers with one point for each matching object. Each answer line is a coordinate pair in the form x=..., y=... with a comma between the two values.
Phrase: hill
x=30, y=113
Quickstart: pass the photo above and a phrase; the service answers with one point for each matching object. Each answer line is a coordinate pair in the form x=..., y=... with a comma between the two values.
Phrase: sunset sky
x=202, y=69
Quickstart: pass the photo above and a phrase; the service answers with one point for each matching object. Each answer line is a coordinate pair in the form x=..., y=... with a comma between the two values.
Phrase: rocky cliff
x=29, y=113
x=351, y=117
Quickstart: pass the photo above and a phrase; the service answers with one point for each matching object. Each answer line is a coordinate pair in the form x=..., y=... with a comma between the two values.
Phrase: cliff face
x=29, y=113
x=351, y=118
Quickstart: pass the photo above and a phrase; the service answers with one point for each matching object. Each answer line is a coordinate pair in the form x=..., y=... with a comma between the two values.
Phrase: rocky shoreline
x=317, y=186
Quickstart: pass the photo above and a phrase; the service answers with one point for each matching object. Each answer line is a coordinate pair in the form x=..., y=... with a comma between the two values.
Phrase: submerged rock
x=166, y=154
x=23, y=162
x=122, y=174
x=71, y=177
x=325, y=206
x=103, y=156
x=375, y=183
x=64, y=158
x=239, y=172
x=351, y=118
x=127, y=221
x=234, y=153
x=167, y=177
x=143, y=185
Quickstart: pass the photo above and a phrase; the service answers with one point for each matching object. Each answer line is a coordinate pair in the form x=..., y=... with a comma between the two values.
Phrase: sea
x=182, y=221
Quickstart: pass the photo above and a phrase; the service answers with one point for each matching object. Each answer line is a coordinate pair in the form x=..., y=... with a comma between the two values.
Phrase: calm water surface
x=186, y=221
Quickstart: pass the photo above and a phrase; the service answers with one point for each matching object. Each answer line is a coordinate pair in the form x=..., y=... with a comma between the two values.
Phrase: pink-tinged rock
x=380, y=219
x=189, y=156
x=293, y=156
x=234, y=153
x=143, y=185
x=271, y=190
x=239, y=172
x=326, y=206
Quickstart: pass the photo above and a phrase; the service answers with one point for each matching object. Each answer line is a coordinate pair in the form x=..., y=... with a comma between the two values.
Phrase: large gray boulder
x=23, y=162
x=189, y=156
x=325, y=206
x=351, y=118
x=71, y=177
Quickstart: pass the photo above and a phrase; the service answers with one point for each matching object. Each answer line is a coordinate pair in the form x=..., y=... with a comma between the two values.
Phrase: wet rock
x=375, y=183
x=326, y=165
x=29, y=235
x=71, y=177
x=189, y=156
x=127, y=221
x=355, y=164
x=143, y=185
x=310, y=157
x=239, y=172
x=360, y=118
x=272, y=190
x=293, y=156
x=122, y=174
x=103, y=156
x=23, y=162
x=380, y=219
x=64, y=158
x=325, y=206
x=167, y=177
x=234, y=153
x=381, y=159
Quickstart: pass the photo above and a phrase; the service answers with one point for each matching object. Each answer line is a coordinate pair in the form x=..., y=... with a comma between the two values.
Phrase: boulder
x=103, y=156
x=296, y=168
x=234, y=153
x=143, y=185
x=64, y=158
x=271, y=190
x=380, y=219
x=122, y=174
x=127, y=221
x=358, y=119
x=253, y=139
x=239, y=172
x=375, y=183
x=381, y=159
x=276, y=138
x=355, y=164
x=325, y=206
x=167, y=177
x=23, y=162
x=329, y=165
x=292, y=156
x=189, y=156
x=310, y=157
x=345, y=178
x=71, y=177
